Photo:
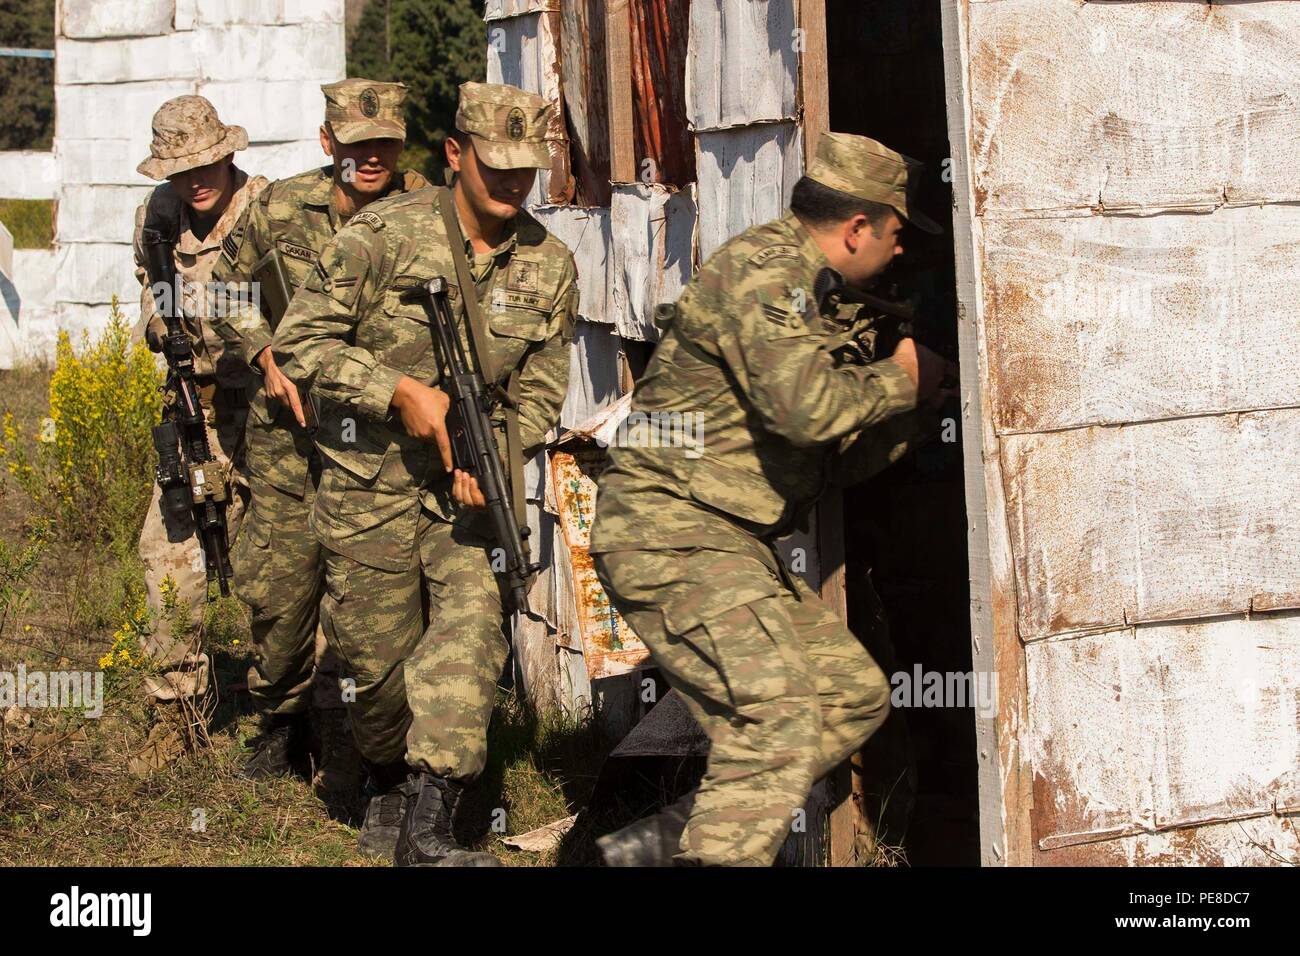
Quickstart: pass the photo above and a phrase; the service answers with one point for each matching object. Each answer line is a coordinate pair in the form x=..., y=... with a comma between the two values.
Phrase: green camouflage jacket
x=756, y=399
x=351, y=338
x=298, y=217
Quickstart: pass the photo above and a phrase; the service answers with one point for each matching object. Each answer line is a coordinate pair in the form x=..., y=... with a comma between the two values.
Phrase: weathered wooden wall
x=1127, y=261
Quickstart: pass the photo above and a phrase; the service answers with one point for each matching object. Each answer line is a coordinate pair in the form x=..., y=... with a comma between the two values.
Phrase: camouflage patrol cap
x=358, y=109
x=872, y=171
x=507, y=124
x=187, y=133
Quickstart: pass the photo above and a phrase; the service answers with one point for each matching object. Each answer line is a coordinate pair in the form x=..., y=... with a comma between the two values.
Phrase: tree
x=432, y=46
x=26, y=84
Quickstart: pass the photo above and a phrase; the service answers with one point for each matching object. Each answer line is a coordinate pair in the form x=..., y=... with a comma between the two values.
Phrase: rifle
x=188, y=474
x=892, y=321
x=271, y=279
x=474, y=448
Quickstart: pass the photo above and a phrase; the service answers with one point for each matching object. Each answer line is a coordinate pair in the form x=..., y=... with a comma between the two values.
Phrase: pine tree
x=432, y=46
x=26, y=84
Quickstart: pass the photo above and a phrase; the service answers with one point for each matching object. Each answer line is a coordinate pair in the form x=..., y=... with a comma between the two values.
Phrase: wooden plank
x=1110, y=319
x=618, y=39
x=1201, y=723
x=748, y=174
x=1154, y=522
x=814, y=83
x=1157, y=105
x=742, y=64
x=1004, y=785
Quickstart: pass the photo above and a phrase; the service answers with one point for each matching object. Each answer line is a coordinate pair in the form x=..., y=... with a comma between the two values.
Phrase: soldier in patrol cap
x=399, y=525
x=765, y=343
x=194, y=152
x=279, y=566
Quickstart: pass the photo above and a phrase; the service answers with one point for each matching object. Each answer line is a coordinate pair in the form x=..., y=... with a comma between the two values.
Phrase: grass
x=30, y=221
x=68, y=798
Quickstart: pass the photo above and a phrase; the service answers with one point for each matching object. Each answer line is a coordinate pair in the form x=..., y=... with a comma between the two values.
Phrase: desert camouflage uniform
x=279, y=566
x=394, y=536
x=168, y=544
x=793, y=399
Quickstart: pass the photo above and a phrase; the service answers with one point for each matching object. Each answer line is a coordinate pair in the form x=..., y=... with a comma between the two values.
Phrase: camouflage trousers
x=169, y=547
x=280, y=574
x=778, y=682
x=425, y=692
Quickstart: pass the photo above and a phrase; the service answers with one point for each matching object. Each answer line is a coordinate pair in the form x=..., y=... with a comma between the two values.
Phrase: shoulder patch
x=769, y=253
x=230, y=247
x=371, y=219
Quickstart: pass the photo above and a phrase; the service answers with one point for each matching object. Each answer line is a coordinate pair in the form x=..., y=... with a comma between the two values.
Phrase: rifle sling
x=478, y=341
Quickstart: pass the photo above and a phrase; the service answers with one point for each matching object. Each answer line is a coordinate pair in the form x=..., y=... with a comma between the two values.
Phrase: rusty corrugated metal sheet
x=747, y=174
x=653, y=238
x=663, y=147
x=586, y=98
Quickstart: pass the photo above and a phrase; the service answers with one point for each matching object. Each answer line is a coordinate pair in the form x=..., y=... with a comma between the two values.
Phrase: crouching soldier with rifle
x=199, y=498
x=400, y=524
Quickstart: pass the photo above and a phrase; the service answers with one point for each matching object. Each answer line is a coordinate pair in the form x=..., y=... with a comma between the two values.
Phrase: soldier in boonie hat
x=506, y=124
x=869, y=170
x=187, y=133
x=358, y=109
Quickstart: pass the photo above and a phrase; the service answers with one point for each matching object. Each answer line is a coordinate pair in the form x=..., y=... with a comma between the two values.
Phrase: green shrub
x=92, y=471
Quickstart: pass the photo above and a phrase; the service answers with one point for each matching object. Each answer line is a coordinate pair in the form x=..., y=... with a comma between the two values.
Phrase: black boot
x=651, y=841
x=284, y=739
x=426, y=838
x=378, y=837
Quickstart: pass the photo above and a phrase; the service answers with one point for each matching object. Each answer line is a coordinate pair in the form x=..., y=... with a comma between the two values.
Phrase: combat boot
x=284, y=738
x=652, y=841
x=426, y=836
x=378, y=836
x=338, y=777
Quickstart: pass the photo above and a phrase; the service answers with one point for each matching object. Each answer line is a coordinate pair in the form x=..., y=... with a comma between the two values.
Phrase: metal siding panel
x=587, y=233
x=653, y=250
x=1154, y=522
x=740, y=171
x=1128, y=106
x=742, y=63
x=1104, y=320
x=1236, y=682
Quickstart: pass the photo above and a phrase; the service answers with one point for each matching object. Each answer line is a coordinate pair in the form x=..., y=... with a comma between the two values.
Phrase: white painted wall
x=261, y=63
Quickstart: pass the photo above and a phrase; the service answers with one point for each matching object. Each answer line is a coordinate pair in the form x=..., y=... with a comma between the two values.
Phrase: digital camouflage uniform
x=187, y=134
x=279, y=565
x=793, y=399
x=395, y=540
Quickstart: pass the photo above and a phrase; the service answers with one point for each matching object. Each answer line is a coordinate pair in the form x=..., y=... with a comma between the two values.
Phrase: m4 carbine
x=188, y=473
x=474, y=449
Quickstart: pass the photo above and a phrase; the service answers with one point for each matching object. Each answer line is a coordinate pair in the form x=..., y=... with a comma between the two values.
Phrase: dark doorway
x=905, y=529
